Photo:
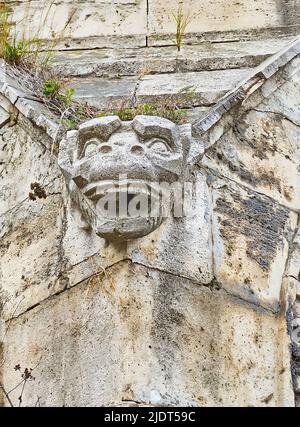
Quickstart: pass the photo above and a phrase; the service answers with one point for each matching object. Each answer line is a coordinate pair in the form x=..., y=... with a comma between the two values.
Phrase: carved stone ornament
x=113, y=170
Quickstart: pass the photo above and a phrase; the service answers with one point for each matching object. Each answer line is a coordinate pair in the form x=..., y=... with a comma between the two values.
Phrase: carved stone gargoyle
x=109, y=162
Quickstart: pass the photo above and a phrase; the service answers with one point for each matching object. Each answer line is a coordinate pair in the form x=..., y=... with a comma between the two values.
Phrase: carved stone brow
x=148, y=126
x=100, y=128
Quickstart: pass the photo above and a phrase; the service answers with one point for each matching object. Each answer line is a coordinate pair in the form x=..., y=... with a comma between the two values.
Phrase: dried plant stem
x=182, y=22
x=6, y=395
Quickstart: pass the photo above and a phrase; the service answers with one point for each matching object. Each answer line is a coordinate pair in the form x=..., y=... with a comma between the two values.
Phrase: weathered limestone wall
x=200, y=312
x=294, y=315
x=141, y=22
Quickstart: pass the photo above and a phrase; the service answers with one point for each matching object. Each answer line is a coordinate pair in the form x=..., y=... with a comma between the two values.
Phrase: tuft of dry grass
x=102, y=278
x=5, y=28
x=168, y=111
x=14, y=48
x=43, y=83
x=29, y=64
x=182, y=21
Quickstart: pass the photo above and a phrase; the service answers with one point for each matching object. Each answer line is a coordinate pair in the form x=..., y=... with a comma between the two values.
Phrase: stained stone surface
x=4, y=116
x=222, y=19
x=147, y=336
x=166, y=59
x=251, y=236
x=189, y=89
x=137, y=23
x=182, y=246
x=22, y=150
x=105, y=94
x=203, y=311
x=180, y=89
x=82, y=24
x=263, y=149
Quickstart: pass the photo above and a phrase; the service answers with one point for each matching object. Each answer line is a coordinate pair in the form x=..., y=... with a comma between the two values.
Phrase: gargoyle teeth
x=96, y=191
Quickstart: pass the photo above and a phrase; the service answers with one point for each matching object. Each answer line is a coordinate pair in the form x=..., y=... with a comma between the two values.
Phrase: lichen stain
x=262, y=176
x=258, y=220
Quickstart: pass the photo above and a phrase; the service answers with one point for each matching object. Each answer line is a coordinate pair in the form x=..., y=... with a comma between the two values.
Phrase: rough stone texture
x=203, y=88
x=202, y=311
x=180, y=89
x=80, y=24
x=4, y=117
x=251, y=236
x=116, y=341
x=166, y=59
x=14, y=99
x=293, y=278
x=261, y=84
x=182, y=246
x=106, y=23
x=218, y=17
x=36, y=247
x=20, y=151
x=105, y=94
x=262, y=150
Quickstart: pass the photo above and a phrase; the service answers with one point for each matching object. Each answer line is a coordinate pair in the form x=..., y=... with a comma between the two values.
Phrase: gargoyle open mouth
x=147, y=150
x=125, y=199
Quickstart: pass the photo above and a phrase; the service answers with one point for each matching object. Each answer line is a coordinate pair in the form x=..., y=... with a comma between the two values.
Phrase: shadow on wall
x=289, y=12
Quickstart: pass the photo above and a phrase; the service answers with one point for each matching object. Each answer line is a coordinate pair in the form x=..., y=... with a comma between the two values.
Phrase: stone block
x=262, y=150
x=210, y=17
x=24, y=160
x=188, y=89
x=251, y=236
x=158, y=60
x=69, y=22
x=31, y=258
x=145, y=336
x=181, y=246
x=105, y=94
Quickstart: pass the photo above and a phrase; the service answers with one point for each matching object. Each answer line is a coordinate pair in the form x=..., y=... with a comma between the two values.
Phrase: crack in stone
x=275, y=113
x=60, y=292
x=244, y=187
x=210, y=286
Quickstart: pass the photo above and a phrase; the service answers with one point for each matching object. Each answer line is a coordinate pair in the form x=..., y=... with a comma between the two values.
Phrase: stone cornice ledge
x=248, y=94
x=266, y=78
x=14, y=97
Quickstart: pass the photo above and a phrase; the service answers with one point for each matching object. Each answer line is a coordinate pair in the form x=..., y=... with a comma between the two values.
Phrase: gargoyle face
x=113, y=170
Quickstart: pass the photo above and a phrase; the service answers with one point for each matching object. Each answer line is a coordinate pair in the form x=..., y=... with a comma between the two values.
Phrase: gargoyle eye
x=159, y=146
x=90, y=148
